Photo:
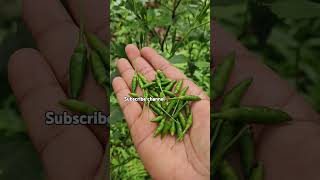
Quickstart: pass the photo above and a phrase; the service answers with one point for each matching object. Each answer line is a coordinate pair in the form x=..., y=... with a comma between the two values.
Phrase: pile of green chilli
x=89, y=48
x=230, y=126
x=173, y=114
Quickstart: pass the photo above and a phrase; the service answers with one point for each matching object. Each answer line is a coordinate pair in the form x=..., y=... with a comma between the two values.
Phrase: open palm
x=39, y=80
x=164, y=158
x=289, y=151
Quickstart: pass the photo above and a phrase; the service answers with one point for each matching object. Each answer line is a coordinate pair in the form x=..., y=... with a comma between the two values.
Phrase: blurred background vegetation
x=180, y=31
x=18, y=158
x=285, y=33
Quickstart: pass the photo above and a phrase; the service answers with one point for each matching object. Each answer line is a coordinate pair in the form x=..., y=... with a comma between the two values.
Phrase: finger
x=95, y=15
x=200, y=131
x=42, y=16
x=158, y=62
x=139, y=63
x=54, y=32
x=60, y=147
x=131, y=109
x=127, y=73
x=137, y=118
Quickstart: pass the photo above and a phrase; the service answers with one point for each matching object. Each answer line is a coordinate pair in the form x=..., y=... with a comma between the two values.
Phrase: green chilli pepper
x=155, y=109
x=170, y=106
x=182, y=120
x=170, y=85
x=159, y=128
x=157, y=119
x=188, y=98
x=158, y=81
x=184, y=91
x=169, y=93
x=147, y=85
x=166, y=129
x=134, y=95
x=173, y=128
x=223, y=137
x=180, y=103
x=161, y=95
x=158, y=105
x=144, y=80
x=179, y=130
x=163, y=84
x=78, y=106
x=247, y=154
x=77, y=69
x=163, y=103
x=140, y=82
x=226, y=171
x=187, y=109
x=179, y=109
x=178, y=86
x=166, y=82
x=134, y=82
x=99, y=47
x=161, y=74
x=247, y=115
x=188, y=123
x=233, y=98
x=145, y=94
x=156, y=89
x=154, y=93
x=221, y=76
x=257, y=172
x=224, y=143
x=99, y=72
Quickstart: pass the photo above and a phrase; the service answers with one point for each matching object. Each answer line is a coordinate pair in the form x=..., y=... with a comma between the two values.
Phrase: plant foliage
x=180, y=31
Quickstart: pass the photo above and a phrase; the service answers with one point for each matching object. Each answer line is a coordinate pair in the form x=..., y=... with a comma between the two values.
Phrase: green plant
x=183, y=39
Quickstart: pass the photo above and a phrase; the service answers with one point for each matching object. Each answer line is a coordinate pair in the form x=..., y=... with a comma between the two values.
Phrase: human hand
x=288, y=151
x=164, y=158
x=39, y=80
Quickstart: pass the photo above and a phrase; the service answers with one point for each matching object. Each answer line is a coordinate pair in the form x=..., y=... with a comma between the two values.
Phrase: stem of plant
x=216, y=132
x=173, y=16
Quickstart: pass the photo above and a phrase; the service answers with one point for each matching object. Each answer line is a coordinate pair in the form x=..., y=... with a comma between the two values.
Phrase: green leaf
x=130, y=5
x=296, y=9
x=10, y=122
x=178, y=59
x=202, y=64
x=116, y=115
x=164, y=21
x=120, y=50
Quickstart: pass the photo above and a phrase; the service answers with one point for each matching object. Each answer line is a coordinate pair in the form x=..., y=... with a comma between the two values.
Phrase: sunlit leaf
x=178, y=59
